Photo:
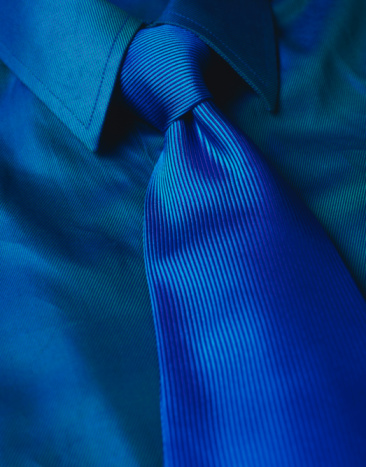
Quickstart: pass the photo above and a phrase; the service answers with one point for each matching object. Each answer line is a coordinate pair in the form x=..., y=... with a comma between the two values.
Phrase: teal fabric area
x=79, y=381
x=317, y=138
x=68, y=53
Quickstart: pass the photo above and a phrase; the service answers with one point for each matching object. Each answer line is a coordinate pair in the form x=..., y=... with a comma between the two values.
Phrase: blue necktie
x=260, y=327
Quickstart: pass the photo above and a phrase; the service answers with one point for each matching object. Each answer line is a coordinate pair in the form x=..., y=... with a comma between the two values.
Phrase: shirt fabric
x=79, y=380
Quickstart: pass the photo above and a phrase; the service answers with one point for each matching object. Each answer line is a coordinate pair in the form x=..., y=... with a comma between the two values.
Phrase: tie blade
x=259, y=325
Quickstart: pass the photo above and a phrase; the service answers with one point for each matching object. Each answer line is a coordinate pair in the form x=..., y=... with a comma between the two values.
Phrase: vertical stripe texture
x=260, y=327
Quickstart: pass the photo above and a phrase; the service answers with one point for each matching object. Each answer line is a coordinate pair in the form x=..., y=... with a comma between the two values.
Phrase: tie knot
x=161, y=77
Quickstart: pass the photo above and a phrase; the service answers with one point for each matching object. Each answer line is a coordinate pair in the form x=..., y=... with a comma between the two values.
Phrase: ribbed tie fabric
x=260, y=327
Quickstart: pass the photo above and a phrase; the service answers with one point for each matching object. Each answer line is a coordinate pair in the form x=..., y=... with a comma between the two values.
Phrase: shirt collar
x=241, y=31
